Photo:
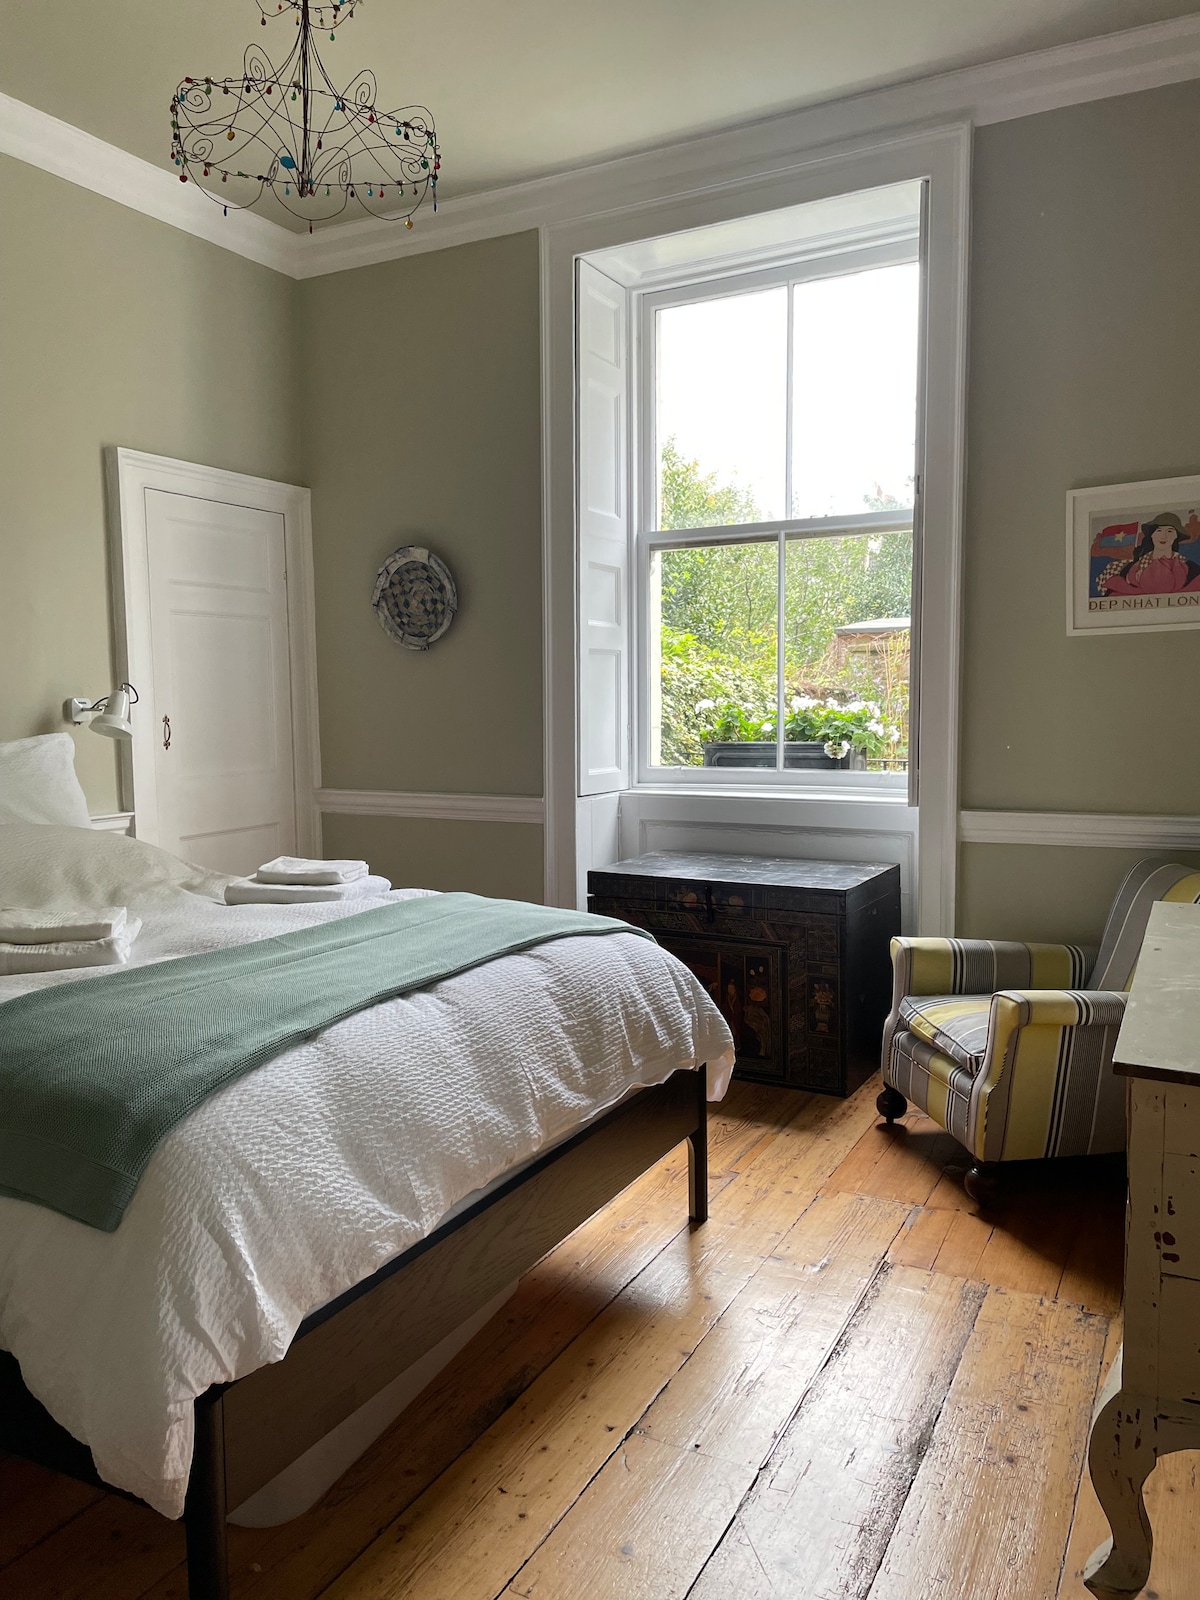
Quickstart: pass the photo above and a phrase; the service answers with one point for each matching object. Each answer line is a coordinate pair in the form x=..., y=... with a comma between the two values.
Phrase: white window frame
x=753, y=172
x=647, y=538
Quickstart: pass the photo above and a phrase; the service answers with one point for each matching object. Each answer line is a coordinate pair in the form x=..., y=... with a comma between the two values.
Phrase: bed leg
x=204, y=1513
x=698, y=1154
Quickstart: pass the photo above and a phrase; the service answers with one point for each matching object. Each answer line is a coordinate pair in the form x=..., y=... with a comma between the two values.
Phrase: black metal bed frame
x=248, y=1431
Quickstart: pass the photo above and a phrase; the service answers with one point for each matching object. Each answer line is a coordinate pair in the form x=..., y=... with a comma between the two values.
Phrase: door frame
x=129, y=474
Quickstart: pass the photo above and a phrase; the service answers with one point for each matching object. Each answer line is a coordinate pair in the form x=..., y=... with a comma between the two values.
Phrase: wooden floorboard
x=820, y=1516
x=989, y=1511
x=850, y=1384
x=648, y=1522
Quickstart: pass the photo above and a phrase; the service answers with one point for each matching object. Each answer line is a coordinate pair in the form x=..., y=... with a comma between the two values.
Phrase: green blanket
x=94, y=1074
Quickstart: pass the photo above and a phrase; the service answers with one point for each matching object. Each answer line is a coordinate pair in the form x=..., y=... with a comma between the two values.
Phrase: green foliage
x=694, y=678
x=839, y=726
x=692, y=499
x=831, y=582
x=719, y=619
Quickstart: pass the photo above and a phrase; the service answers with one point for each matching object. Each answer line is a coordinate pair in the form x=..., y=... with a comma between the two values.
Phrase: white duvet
x=302, y=1178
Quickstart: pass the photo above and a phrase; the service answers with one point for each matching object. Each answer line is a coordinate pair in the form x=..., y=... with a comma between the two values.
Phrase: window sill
x=829, y=794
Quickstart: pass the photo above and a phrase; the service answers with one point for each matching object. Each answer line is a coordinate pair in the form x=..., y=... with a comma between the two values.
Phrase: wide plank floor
x=847, y=1385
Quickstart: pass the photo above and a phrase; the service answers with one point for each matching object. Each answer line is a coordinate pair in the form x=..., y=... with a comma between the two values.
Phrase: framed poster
x=1133, y=557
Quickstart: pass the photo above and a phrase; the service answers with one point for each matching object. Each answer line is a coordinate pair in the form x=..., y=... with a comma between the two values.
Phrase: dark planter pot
x=797, y=756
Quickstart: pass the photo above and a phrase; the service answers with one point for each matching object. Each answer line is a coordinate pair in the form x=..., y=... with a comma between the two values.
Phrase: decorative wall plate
x=415, y=598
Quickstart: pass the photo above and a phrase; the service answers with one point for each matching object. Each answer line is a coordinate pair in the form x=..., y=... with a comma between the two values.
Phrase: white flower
x=894, y=736
x=706, y=705
x=876, y=726
x=835, y=749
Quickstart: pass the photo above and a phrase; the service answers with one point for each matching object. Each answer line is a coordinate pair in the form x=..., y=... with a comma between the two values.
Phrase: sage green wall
x=114, y=330
x=497, y=858
x=422, y=426
x=1084, y=355
x=1044, y=892
x=421, y=423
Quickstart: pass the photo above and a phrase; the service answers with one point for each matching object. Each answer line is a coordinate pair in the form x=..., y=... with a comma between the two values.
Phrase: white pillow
x=38, y=782
x=67, y=868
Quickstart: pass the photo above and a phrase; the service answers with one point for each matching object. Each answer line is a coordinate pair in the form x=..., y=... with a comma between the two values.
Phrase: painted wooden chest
x=795, y=953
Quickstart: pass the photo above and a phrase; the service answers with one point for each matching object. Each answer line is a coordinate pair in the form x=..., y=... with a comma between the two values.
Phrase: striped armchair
x=1009, y=1046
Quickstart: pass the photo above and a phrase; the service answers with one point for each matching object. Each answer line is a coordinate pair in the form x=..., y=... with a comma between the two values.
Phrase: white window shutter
x=603, y=433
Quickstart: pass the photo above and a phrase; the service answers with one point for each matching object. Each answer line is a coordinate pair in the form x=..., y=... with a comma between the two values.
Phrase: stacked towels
x=48, y=941
x=289, y=880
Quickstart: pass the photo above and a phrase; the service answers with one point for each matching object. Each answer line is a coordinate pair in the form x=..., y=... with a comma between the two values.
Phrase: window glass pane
x=854, y=392
x=847, y=603
x=713, y=656
x=722, y=410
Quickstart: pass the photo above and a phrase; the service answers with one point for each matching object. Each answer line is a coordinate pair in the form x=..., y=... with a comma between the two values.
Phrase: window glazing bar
x=899, y=521
x=780, y=651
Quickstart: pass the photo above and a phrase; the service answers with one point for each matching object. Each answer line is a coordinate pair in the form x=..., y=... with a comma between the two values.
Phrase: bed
x=316, y=1227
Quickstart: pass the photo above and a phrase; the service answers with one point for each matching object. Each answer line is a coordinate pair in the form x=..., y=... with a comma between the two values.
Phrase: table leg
x=1121, y=1456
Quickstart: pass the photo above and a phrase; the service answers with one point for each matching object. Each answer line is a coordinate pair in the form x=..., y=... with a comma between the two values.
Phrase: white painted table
x=1151, y=1402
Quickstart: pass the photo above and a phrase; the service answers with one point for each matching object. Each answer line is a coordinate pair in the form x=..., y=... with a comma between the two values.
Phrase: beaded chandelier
x=288, y=130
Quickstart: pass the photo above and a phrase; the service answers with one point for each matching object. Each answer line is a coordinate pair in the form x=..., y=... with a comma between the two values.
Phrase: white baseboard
x=1080, y=828
x=114, y=822
x=438, y=807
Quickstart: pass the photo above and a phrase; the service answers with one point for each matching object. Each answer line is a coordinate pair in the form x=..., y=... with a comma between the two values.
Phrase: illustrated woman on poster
x=1156, y=566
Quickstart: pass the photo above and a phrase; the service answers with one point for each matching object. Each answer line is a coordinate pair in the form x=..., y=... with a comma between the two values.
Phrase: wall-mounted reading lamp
x=109, y=716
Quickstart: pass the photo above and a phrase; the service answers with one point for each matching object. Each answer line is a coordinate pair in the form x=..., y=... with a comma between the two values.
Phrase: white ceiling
x=521, y=88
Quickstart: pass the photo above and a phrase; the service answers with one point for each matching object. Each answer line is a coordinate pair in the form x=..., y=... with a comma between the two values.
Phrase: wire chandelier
x=290, y=131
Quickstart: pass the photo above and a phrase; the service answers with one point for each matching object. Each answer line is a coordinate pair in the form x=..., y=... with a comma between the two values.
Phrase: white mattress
x=302, y=1178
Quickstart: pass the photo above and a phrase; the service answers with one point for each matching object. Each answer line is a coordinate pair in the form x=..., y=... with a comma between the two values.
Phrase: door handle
x=166, y=733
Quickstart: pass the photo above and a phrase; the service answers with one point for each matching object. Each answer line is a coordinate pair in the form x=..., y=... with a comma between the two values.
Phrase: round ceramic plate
x=415, y=598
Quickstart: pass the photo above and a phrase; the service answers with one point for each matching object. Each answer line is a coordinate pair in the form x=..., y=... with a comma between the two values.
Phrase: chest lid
x=674, y=879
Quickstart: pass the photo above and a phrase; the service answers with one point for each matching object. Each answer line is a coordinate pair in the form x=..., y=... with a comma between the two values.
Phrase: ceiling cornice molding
x=44, y=141
x=1046, y=80
x=1000, y=91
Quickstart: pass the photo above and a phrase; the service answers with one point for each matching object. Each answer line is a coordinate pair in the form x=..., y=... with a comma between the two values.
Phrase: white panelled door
x=603, y=533
x=222, y=715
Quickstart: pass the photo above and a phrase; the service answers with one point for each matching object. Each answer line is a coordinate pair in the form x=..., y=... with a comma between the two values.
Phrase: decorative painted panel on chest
x=795, y=953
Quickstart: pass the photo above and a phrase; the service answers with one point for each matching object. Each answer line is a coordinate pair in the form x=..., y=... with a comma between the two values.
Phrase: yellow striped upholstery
x=1149, y=881
x=981, y=966
x=955, y=1024
x=1003, y=1045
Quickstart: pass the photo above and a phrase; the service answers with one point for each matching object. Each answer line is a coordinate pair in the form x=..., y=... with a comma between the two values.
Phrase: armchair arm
x=1057, y=1008
x=983, y=966
x=1046, y=1047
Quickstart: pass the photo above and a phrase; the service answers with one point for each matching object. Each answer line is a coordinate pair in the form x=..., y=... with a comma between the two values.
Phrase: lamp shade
x=113, y=722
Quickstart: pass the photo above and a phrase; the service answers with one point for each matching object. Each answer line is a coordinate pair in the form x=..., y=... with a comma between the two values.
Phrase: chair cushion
x=957, y=1024
x=933, y=1083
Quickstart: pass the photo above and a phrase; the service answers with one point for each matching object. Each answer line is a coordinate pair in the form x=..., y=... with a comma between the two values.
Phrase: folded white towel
x=247, y=892
x=114, y=952
x=297, y=869
x=18, y=926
